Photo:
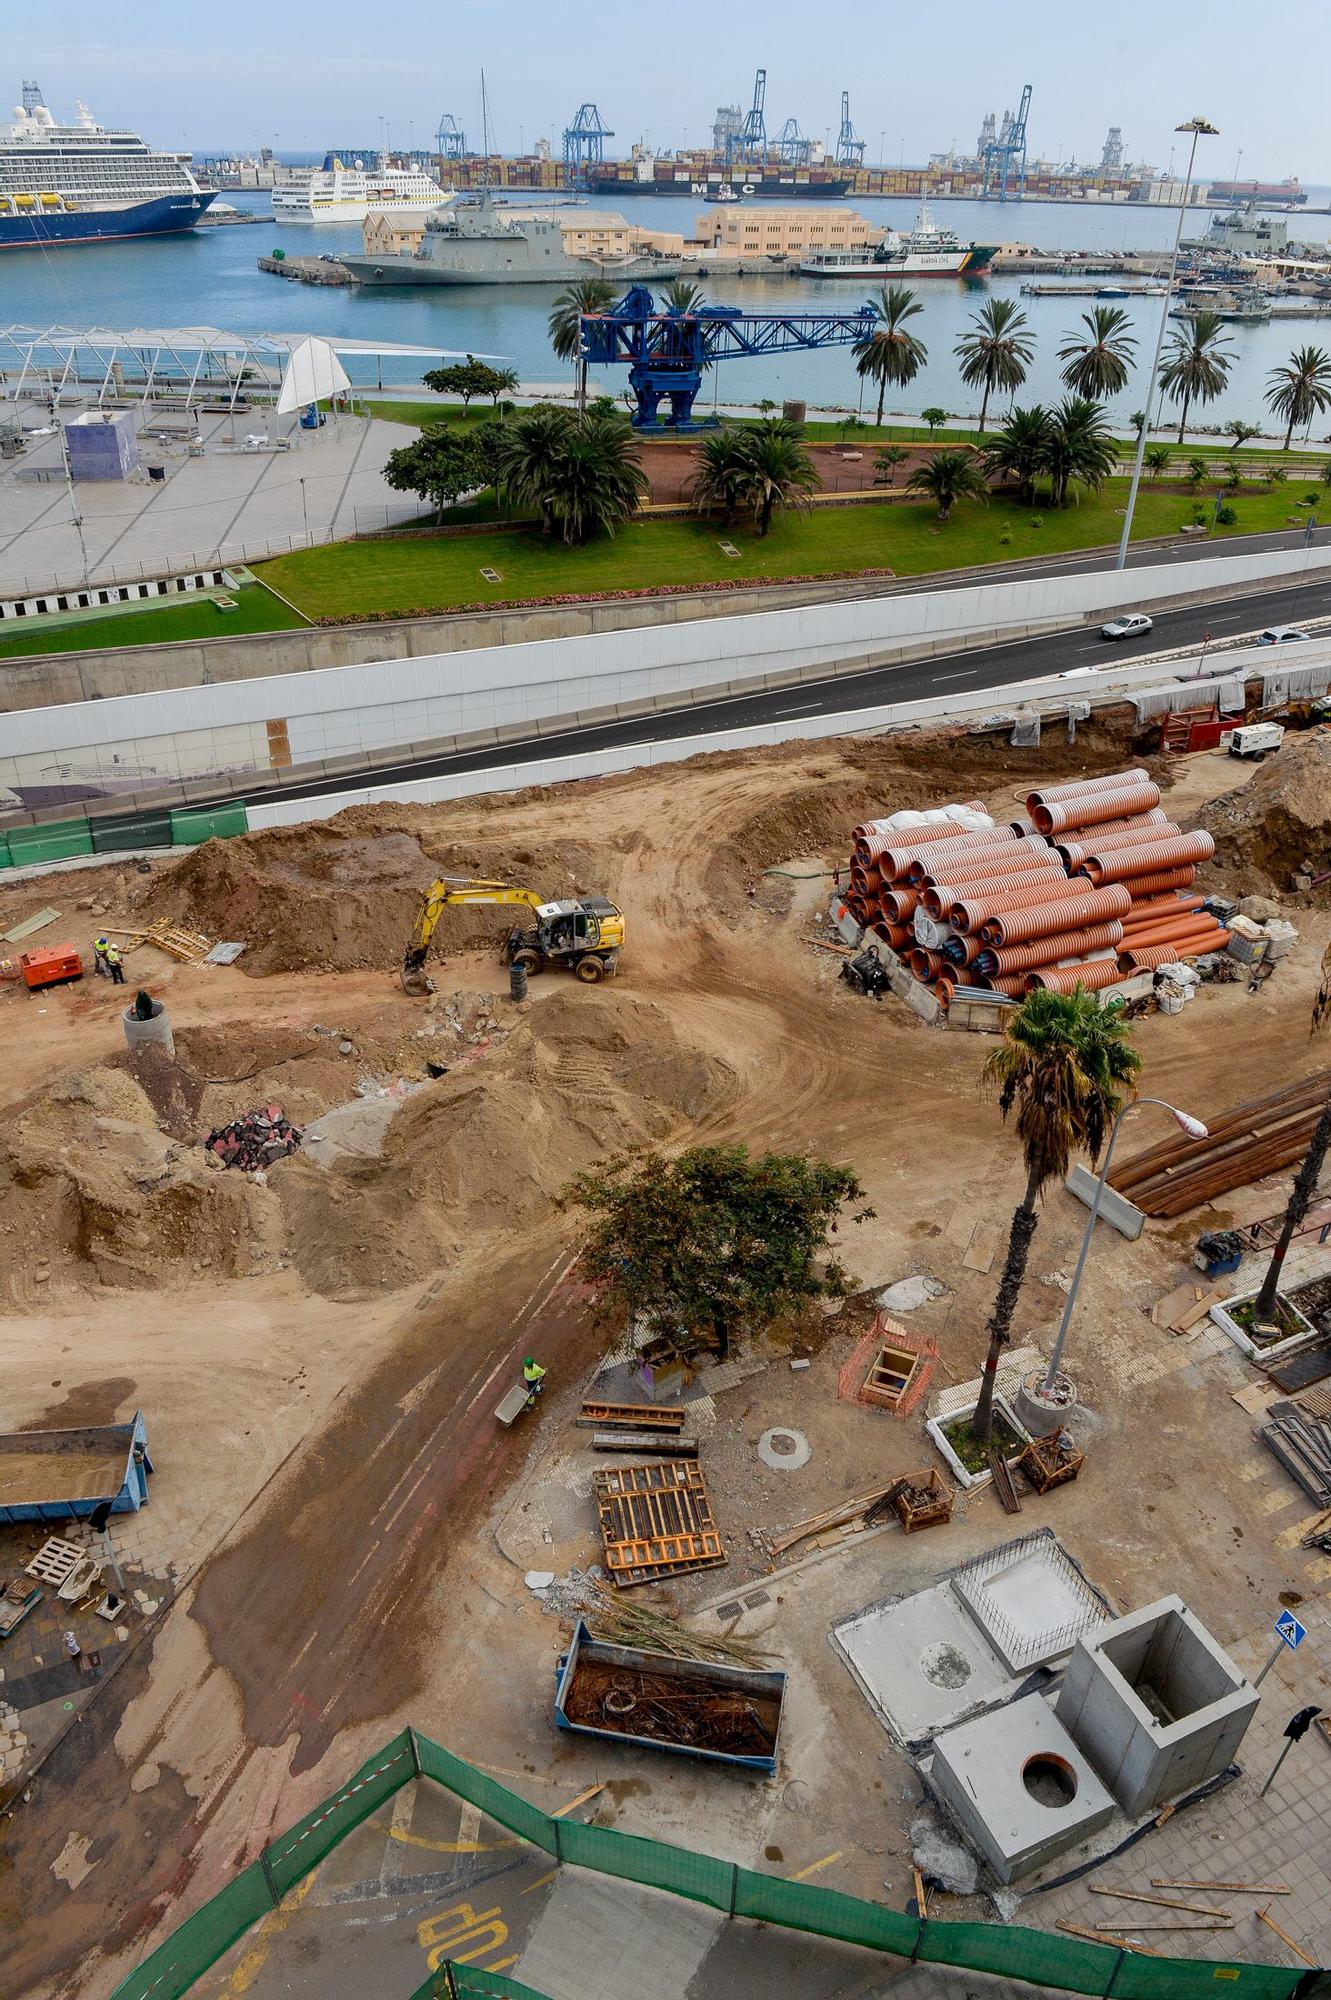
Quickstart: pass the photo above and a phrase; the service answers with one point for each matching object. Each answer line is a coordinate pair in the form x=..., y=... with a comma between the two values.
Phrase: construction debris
x=656, y=1521
x=1228, y=1888
x=853, y=1515
x=1050, y=1461
x=635, y=1441
x=630, y=1416
x=1302, y=1444
x=1106, y=1937
x=1256, y=1138
x=923, y=1500
x=255, y=1140
x=191, y=947
x=625, y=1622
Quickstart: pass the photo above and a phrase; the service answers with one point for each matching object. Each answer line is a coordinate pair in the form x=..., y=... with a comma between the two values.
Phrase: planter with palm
x=949, y=476
x=582, y=470
x=1065, y=1066
x=585, y=295
x=1017, y=452
x=997, y=351
x=1098, y=365
x=1266, y=1304
x=720, y=472
x=1300, y=390
x=1196, y=366
x=891, y=353
x=778, y=471
x=1078, y=447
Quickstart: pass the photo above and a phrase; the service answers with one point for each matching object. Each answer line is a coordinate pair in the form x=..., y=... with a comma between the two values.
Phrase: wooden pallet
x=55, y=1560
x=629, y=1416
x=191, y=947
x=656, y=1521
x=642, y=1441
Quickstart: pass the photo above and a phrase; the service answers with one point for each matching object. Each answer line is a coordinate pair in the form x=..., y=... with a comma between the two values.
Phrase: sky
x=307, y=74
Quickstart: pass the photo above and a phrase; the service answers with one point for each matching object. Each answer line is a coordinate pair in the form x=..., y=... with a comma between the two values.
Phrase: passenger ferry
x=928, y=252
x=338, y=193
x=83, y=183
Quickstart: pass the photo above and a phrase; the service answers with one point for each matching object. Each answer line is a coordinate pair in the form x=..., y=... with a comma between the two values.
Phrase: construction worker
x=113, y=965
x=100, y=947
x=533, y=1377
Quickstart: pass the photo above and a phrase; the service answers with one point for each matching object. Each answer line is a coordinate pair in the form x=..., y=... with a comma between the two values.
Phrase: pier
x=307, y=270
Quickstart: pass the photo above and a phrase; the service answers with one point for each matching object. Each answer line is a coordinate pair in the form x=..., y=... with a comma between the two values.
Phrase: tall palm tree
x=526, y=457
x=597, y=478
x=1098, y=366
x=1300, y=390
x=1017, y=452
x=1197, y=363
x=1065, y=1065
x=721, y=463
x=778, y=471
x=1078, y=446
x=584, y=295
x=1305, y=1184
x=949, y=476
x=890, y=353
x=997, y=351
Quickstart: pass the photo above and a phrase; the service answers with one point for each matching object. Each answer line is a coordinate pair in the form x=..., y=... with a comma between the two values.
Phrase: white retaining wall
x=133, y=741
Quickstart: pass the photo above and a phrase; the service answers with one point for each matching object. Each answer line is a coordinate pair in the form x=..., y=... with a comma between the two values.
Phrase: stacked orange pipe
x=1154, y=858
x=1094, y=808
x=1050, y=950
x=1045, y=919
x=1093, y=977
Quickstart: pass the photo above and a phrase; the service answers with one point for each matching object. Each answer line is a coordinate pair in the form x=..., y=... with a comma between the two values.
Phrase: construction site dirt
x=320, y=1347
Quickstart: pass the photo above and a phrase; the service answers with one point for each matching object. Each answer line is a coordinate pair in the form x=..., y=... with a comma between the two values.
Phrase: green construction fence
x=1041, y=1958
x=121, y=833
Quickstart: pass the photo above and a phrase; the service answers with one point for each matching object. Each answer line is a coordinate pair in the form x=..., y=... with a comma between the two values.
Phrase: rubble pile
x=254, y=1140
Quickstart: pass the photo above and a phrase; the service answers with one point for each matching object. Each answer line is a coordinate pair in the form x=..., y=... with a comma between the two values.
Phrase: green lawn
x=421, y=414
x=163, y=624
x=426, y=574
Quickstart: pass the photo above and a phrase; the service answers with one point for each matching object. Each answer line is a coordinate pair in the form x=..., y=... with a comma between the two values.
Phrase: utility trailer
x=695, y=1708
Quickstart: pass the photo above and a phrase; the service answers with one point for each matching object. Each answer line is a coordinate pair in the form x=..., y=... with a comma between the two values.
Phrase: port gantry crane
x=584, y=145
x=450, y=140
x=849, y=146
x=748, y=146
x=1005, y=157
x=667, y=351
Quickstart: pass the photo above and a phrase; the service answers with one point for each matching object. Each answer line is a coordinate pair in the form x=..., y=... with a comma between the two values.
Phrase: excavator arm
x=437, y=898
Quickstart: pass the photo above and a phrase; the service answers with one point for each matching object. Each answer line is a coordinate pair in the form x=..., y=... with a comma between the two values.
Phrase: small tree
x=1158, y=457
x=934, y=416
x=493, y=382
x=441, y=465
x=713, y=1244
x=892, y=455
x=450, y=381
x=1197, y=471
x=949, y=476
x=1240, y=432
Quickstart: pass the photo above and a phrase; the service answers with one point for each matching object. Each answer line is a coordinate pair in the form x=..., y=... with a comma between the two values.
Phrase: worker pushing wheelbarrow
x=524, y=1393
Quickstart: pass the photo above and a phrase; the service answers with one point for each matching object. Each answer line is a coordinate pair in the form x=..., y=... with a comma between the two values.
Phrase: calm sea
x=210, y=278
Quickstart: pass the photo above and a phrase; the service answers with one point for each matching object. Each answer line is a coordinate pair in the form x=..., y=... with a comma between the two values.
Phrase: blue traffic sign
x=1289, y=1629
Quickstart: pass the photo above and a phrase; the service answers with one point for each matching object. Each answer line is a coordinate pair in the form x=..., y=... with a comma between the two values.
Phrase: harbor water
x=210, y=278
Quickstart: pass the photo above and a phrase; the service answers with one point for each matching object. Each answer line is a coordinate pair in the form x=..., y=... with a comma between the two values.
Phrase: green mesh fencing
x=1039, y=1958
x=6, y=858
x=190, y=827
x=123, y=833
x=57, y=840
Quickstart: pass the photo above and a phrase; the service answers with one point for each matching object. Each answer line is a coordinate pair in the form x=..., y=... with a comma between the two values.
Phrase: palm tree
x=1157, y=459
x=1018, y=450
x=597, y=477
x=1099, y=365
x=1300, y=390
x=1065, y=1064
x=720, y=471
x=1197, y=363
x=997, y=351
x=527, y=457
x=949, y=476
x=1077, y=446
x=778, y=471
x=890, y=353
x=681, y=295
x=585, y=295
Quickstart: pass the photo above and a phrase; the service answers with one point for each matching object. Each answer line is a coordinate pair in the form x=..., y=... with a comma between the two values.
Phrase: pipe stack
x=1092, y=884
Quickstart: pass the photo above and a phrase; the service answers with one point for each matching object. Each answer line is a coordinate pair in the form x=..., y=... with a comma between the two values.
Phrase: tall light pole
x=1043, y=1402
x=1197, y=127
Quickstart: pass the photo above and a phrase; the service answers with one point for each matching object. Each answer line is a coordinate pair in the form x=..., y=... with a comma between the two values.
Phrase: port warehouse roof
x=28, y=349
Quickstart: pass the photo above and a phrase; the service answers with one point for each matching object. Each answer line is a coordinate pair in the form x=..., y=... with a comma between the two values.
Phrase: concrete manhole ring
x=946, y=1666
x=784, y=1450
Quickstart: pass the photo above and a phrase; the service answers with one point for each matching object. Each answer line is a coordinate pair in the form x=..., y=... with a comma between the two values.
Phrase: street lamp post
x=1197, y=127
x=1042, y=1403
x=304, y=508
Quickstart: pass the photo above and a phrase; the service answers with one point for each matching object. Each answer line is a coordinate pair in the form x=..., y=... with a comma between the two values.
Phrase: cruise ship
x=479, y=243
x=928, y=252
x=338, y=193
x=83, y=183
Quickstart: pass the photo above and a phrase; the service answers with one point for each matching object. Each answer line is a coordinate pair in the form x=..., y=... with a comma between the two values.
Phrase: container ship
x=83, y=183
x=706, y=180
x=1280, y=194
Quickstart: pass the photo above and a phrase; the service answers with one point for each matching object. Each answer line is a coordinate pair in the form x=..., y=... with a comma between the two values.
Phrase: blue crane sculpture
x=667, y=351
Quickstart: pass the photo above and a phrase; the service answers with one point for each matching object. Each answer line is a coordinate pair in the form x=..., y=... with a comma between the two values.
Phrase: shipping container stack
x=1091, y=886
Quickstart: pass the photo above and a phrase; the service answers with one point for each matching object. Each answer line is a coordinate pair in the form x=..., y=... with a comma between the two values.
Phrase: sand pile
x=483, y=1150
x=1277, y=827
x=343, y=894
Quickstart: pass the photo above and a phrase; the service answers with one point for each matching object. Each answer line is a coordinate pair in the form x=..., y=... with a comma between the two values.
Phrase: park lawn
x=427, y=573
x=162, y=624
x=419, y=415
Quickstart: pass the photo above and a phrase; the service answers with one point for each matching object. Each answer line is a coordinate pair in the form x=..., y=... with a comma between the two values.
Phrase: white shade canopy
x=312, y=375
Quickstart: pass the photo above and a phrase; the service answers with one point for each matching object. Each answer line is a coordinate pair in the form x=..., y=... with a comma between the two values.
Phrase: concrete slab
x=1115, y=1209
x=596, y=1940
x=1019, y=1787
x=1030, y=1600
x=922, y=1663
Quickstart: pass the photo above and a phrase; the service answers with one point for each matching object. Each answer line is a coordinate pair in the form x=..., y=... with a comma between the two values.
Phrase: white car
x=1133, y=625
x=1280, y=635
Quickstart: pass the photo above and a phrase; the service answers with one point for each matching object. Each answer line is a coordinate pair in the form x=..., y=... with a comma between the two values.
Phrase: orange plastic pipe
x=1093, y=977
x=1156, y=857
x=940, y=896
x=1142, y=915
x=1171, y=932
x=1117, y=781
x=1049, y=950
x=1044, y=919
x=968, y=913
x=1133, y=835
x=1171, y=878
x=1095, y=808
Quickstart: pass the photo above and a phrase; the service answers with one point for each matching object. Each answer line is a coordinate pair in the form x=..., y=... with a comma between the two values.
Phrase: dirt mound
x=343, y=894
x=1277, y=826
x=483, y=1150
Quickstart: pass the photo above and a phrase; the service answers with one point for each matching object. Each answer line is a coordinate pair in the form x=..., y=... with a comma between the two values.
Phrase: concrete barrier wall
x=182, y=733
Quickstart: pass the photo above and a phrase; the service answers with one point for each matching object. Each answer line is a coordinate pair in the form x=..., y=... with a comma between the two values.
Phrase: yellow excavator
x=586, y=935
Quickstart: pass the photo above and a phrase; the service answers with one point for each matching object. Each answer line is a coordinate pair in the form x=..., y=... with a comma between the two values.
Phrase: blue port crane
x=1005, y=157
x=584, y=144
x=792, y=148
x=667, y=350
x=450, y=140
x=749, y=144
x=849, y=146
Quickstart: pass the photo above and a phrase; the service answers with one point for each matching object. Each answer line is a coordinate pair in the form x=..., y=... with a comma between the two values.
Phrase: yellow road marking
x=254, y=1960
x=502, y=1964
x=814, y=1866
x=451, y=1846
x=540, y=1882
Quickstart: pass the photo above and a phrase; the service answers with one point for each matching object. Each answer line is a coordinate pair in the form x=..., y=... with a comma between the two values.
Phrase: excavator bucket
x=415, y=979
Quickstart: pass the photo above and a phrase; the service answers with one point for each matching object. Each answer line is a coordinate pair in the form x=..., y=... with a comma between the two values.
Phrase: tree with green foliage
x=585, y=473
x=527, y=459
x=934, y=416
x=585, y=295
x=1078, y=449
x=1065, y=1066
x=1139, y=421
x=891, y=353
x=440, y=465
x=892, y=455
x=682, y=296
x=470, y=378
x=950, y=476
x=1197, y=469
x=720, y=472
x=1098, y=365
x=1196, y=365
x=1017, y=451
x=997, y=351
x=1158, y=457
x=1326, y=472
x=1300, y=390
x=714, y=1244
x=1241, y=432
x=778, y=471
x=493, y=382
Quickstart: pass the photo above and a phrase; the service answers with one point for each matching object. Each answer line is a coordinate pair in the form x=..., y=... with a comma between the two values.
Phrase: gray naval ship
x=479, y=243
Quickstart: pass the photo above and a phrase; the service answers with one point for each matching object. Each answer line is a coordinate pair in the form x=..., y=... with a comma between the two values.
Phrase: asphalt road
x=954, y=673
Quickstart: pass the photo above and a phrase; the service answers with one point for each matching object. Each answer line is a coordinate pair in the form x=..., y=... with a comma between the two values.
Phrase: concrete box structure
x=102, y=444
x=1155, y=1704
x=1018, y=1786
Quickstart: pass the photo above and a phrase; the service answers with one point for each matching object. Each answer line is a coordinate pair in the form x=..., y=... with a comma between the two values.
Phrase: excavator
x=586, y=935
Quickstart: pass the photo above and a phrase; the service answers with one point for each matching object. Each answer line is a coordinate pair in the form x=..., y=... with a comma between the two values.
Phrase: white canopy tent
x=313, y=374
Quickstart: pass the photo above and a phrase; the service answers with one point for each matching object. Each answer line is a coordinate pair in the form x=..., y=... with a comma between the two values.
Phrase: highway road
x=955, y=673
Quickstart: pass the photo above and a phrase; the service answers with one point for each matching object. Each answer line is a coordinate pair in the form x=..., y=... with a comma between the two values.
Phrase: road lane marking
x=539, y=1883
x=452, y=1846
x=815, y=1867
